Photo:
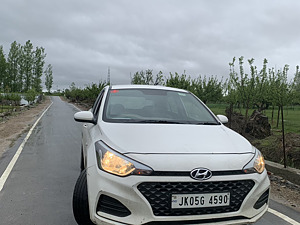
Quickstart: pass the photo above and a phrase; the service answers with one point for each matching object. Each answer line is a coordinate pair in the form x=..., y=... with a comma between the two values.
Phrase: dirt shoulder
x=285, y=192
x=14, y=126
x=282, y=190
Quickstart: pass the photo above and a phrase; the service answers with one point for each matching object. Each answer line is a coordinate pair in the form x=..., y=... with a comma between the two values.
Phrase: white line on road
x=76, y=107
x=13, y=161
x=284, y=217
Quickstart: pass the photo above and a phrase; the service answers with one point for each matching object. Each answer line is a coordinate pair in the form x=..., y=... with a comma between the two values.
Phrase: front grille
x=159, y=194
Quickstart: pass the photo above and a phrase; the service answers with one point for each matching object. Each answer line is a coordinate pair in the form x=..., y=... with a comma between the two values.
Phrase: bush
x=87, y=95
x=30, y=96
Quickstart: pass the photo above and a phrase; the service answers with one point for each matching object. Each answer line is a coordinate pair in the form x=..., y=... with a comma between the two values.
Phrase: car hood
x=173, y=139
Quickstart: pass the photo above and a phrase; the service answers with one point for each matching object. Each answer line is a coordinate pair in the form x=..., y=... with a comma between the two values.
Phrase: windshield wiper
x=158, y=121
x=174, y=122
x=206, y=123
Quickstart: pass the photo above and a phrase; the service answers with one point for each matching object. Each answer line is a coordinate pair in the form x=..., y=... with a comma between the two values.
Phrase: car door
x=86, y=135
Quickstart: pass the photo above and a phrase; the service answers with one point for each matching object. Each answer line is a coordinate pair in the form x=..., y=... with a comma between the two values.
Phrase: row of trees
x=259, y=89
x=87, y=95
x=23, y=68
x=208, y=89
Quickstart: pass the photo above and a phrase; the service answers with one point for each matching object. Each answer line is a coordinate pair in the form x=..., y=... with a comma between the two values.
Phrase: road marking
x=284, y=217
x=72, y=104
x=13, y=161
x=76, y=107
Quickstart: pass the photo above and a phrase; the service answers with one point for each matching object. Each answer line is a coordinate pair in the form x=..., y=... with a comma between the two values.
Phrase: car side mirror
x=85, y=116
x=223, y=119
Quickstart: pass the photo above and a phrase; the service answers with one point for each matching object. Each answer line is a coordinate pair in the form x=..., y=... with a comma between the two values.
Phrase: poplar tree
x=23, y=68
x=38, y=66
x=27, y=65
x=13, y=61
x=3, y=70
x=48, y=78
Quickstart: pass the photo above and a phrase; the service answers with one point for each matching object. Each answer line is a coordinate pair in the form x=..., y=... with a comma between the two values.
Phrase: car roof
x=135, y=86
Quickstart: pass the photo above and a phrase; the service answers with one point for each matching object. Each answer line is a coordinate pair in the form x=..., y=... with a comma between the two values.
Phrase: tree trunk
x=246, y=118
x=11, y=107
x=273, y=115
x=283, y=138
x=278, y=115
x=230, y=114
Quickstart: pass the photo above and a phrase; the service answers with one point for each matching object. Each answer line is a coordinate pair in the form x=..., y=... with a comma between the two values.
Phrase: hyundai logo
x=201, y=174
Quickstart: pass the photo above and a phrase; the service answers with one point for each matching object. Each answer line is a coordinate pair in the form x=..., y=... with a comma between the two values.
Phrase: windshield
x=155, y=106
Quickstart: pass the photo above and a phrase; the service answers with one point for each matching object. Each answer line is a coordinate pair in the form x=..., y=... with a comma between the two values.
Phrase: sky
x=83, y=39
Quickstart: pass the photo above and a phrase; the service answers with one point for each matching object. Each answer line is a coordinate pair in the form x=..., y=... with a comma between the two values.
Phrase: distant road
x=39, y=188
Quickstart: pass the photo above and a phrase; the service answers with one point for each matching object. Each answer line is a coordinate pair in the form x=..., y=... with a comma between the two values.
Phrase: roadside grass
x=5, y=108
x=218, y=109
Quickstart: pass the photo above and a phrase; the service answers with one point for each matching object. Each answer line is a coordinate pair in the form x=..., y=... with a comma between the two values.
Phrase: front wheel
x=80, y=201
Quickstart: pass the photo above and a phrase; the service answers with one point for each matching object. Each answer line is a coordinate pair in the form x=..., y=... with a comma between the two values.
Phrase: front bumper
x=125, y=190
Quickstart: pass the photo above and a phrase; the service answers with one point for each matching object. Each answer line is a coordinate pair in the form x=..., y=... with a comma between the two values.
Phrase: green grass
x=291, y=116
x=5, y=108
x=218, y=109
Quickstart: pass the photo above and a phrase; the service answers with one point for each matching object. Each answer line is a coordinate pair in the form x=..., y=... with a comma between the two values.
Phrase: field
x=6, y=108
x=291, y=116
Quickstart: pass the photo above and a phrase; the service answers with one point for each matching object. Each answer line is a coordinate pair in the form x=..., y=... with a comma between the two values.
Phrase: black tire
x=80, y=201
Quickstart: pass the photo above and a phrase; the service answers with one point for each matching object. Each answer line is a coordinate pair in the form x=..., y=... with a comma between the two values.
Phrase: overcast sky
x=83, y=38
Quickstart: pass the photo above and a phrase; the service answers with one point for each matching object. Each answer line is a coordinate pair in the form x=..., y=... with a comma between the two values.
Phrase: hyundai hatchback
x=158, y=155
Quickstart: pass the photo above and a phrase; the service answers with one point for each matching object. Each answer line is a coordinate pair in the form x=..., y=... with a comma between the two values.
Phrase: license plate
x=200, y=200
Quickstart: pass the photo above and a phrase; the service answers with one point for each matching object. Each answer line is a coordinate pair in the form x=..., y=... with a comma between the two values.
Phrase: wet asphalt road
x=40, y=186
x=39, y=189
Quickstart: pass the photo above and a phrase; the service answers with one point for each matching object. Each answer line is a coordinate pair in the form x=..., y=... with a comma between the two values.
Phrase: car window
x=97, y=104
x=155, y=105
x=195, y=110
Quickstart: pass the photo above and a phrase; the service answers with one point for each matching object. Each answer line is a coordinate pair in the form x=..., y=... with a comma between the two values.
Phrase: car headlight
x=256, y=164
x=118, y=164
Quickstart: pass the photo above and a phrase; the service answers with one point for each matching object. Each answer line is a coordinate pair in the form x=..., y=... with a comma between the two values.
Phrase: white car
x=158, y=155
